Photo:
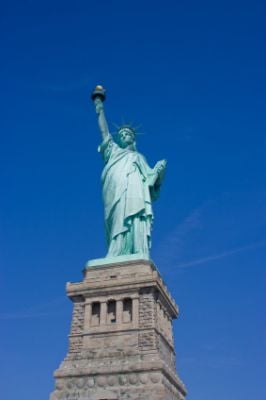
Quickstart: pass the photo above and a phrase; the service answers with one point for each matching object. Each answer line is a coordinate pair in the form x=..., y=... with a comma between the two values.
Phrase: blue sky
x=193, y=74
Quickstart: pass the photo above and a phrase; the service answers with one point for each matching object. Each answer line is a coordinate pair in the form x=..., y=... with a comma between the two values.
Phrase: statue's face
x=126, y=137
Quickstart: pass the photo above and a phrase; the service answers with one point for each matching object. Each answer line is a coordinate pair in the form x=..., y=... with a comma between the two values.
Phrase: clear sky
x=193, y=74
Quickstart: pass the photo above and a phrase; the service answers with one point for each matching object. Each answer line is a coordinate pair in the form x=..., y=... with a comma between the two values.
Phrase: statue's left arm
x=159, y=170
x=157, y=173
x=156, y=177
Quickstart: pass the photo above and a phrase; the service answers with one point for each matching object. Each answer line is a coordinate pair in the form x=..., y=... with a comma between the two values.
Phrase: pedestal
x=121, y=340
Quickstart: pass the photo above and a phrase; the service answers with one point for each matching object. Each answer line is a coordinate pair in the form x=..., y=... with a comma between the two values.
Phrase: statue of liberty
x=129, y=188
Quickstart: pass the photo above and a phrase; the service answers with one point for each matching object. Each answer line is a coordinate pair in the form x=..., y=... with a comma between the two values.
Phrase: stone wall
x=76, y=332
x=147, y=339
x=131, y=386
x=166, y=352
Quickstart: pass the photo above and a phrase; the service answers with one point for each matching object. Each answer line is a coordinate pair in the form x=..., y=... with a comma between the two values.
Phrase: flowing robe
x=129, y=187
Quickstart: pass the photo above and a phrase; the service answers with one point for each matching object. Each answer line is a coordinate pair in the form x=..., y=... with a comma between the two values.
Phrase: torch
x=98, y=95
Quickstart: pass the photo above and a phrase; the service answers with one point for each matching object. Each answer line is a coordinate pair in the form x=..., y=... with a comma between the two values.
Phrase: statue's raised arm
x=98, y=96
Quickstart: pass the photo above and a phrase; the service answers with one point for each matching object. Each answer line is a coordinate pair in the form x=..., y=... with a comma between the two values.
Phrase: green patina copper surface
x=129, y=188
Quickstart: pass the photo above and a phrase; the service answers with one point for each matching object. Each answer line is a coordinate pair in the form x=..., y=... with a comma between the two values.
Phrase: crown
x=126, y=127
x=129, y=127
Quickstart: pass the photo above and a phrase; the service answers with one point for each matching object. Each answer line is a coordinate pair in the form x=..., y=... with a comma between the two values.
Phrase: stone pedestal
x=121, y=340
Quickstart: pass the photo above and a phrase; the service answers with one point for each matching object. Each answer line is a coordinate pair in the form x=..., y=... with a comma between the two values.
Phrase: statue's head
x=126, y=136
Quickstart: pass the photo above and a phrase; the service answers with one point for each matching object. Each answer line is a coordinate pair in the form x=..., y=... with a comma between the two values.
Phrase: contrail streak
x=221, y=255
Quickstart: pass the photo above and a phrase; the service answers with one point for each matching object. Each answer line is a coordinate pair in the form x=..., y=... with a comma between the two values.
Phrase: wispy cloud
x=222, y=223
x=190, y=223
x=219, y=361
x=53, y=307
x=68, y=86
x=24, y=315
x=218, y=256
x=175, y=241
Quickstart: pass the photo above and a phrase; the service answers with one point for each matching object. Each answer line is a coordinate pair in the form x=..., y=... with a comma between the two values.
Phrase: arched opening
x=111, y=312
x=127, y=310
x=95, y=313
